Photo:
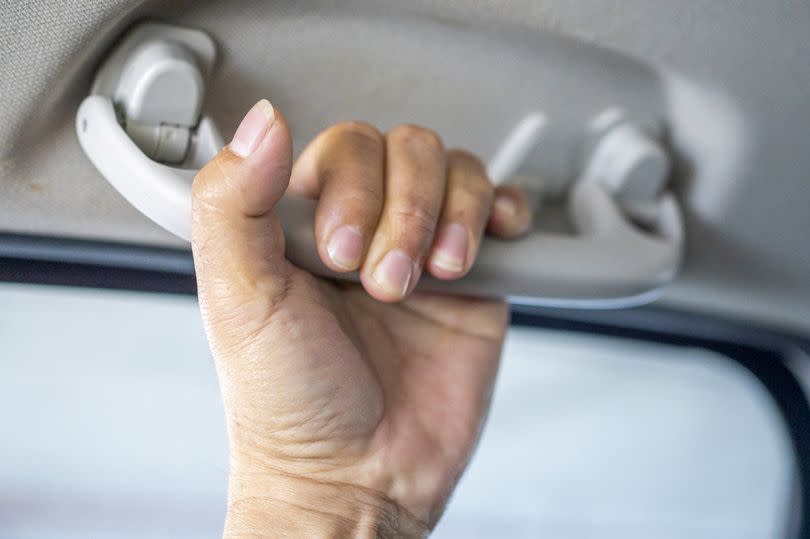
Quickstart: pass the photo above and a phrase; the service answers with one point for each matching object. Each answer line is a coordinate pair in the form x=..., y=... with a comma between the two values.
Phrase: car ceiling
x=731, y=78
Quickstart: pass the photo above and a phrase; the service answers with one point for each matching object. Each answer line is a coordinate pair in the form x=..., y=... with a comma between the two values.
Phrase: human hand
x=352, y=409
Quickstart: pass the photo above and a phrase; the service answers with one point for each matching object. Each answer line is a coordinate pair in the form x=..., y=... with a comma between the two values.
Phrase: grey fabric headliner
x=748, y=254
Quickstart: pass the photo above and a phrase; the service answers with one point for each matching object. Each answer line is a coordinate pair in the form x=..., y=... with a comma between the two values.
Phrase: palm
x=408, y=383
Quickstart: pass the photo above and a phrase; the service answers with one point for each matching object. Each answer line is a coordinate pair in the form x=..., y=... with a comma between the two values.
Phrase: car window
x=112, y=426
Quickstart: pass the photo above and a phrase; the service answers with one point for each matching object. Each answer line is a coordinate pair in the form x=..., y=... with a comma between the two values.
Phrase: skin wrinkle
x=354, y=490
x=208, y=206
x=267, y=299
x=260, y=446
x=409, y=217
x=389, y=521
x=423, y=315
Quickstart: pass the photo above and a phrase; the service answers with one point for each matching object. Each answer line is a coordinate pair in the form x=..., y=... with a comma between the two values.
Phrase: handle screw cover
x=630, y=164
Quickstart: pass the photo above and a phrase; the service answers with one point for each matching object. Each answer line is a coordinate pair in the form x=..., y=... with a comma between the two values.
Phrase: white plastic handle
x=609, y=263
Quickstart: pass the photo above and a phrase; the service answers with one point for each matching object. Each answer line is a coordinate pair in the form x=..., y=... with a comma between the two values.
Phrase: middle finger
x=415, y=182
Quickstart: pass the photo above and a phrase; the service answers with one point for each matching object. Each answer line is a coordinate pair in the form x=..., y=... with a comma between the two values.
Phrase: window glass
x=112, y=427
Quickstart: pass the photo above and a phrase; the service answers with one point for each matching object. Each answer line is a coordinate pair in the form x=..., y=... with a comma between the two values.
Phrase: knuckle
x=468, y=160
x=352, y=181
x=472, y=215
x=414, y=219
x=330, y=173
x=472, y=183
x=416, y=136
x=471, y=206
x=481, y=189
x=360, y=135
x=361, y=199
x=368, y=196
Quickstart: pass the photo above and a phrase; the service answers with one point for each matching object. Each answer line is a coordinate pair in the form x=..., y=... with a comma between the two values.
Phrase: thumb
x=236, y=239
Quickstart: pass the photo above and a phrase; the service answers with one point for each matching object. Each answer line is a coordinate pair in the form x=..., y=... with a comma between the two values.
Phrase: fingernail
x=254, y=126
x=346, y=247
x=450, y=251
x=506, y=207
x=394, y=272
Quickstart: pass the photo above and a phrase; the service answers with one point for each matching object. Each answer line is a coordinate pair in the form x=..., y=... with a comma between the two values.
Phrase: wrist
x=274, y=503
